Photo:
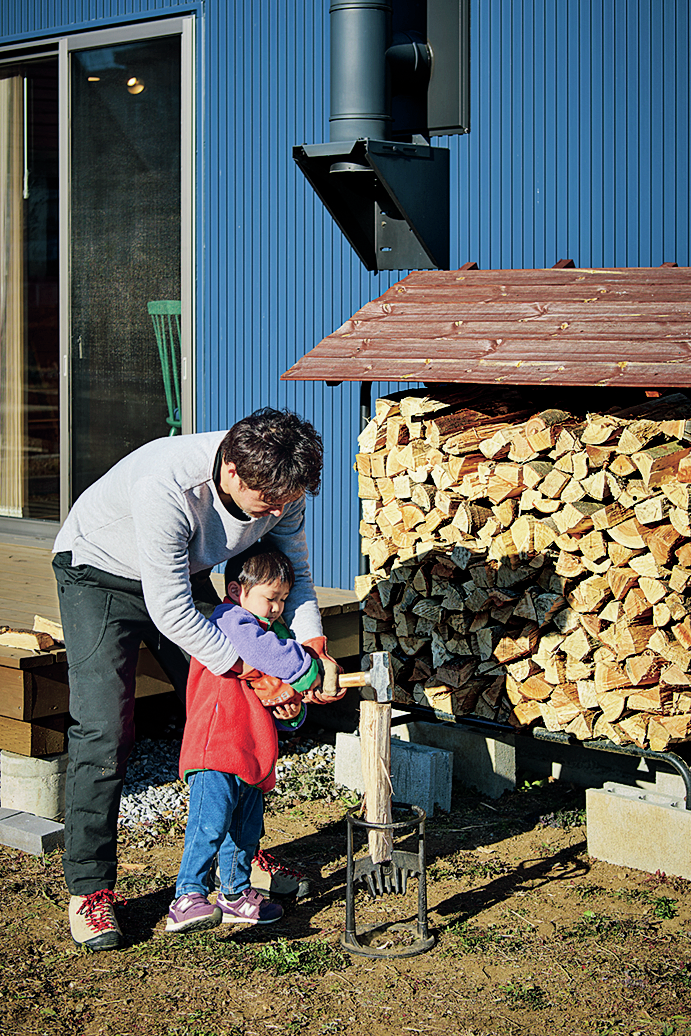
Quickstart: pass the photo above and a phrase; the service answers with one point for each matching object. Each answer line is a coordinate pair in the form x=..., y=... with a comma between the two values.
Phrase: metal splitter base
x=400, y=939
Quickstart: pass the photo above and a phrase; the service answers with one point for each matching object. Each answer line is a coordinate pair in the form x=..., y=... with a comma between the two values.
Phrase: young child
x=230, y=744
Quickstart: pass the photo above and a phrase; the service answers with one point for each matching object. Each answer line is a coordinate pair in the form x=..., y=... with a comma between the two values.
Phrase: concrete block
x=591, y=768
x=491, y=765
x=644, y=830
x=34, y=785
x=670, y=784
x=421, y=776
x=484, y=763
x=29, y=833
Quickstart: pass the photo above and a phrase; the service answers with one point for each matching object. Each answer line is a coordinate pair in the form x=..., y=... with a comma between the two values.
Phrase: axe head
x=380, y=675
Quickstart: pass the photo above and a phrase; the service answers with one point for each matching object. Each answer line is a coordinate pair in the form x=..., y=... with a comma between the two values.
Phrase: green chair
x=166, y=317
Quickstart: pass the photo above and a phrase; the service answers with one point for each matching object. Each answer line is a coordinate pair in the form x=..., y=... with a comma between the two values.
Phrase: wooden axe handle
x=353, y=679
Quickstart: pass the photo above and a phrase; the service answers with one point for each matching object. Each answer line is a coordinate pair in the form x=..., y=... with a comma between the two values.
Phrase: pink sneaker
x=249, y=908
x=192, y=912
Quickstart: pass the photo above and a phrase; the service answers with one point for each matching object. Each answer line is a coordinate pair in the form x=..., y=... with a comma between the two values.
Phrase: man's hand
x=320, y=698
x=330, y=690
x=314, y=695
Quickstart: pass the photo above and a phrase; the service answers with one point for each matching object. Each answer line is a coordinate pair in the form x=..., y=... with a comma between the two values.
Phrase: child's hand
x=291, y=710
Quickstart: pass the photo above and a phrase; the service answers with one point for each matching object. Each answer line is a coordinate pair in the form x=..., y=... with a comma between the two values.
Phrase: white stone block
x=484, y=763
x=421, y=776
x=29, y=833
x=34, y=786
x=632, y=828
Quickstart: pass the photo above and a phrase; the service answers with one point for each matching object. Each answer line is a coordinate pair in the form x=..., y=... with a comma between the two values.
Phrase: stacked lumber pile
x=532, y=566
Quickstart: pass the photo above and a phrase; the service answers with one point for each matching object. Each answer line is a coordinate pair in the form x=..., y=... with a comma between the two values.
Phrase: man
x=132, y=562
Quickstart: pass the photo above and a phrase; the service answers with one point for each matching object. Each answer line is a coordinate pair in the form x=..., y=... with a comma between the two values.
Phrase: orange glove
x=269, y=689
x=330, y=691
x=272, y=691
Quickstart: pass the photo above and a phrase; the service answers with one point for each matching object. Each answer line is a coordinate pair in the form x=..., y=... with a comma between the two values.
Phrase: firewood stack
x=532, y=567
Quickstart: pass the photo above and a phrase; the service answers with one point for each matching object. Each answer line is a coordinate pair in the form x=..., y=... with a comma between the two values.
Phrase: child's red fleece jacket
x=227, y=727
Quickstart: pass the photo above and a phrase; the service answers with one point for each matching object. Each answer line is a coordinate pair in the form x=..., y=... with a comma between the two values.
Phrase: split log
x=375, y=748
x=25, y=640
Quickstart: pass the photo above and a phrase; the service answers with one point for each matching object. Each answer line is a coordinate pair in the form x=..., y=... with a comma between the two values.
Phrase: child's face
x=265, y=599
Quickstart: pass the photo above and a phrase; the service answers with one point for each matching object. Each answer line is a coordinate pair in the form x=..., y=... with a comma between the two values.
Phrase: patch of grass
x=490, y=868
x=466, y=865
x=633, y=895
x=531, y=784
x=601, y=926
x=564, y=819
x=589, y=891
x=663, y=907
x=465, y=939
x=682, y=976
x=525, y=995
x=201, y=1023
x=305, y=958
x=349, y=799
x=297, y=1023
x=187, y=947
x=607, y=1027
x=469, y=940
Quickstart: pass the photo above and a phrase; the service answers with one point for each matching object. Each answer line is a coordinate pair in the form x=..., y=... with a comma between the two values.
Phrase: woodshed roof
x=565, y=326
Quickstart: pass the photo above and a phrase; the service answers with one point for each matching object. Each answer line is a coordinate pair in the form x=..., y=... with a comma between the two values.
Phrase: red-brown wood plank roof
x=619, y=327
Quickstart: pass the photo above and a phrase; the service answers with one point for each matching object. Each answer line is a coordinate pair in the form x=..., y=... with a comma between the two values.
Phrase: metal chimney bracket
x=390, y=199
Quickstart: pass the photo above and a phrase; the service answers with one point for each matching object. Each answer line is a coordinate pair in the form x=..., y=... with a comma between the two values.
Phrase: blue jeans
x=225, y=819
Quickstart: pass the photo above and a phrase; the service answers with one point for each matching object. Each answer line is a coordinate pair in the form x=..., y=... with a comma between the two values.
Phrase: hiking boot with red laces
x=273, y=878
x=92, y=920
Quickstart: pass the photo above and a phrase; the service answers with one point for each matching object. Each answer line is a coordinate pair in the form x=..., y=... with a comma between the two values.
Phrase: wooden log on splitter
x=375, y=748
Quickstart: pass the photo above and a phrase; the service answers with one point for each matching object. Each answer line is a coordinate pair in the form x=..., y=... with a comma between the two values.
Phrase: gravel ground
x=155, y=797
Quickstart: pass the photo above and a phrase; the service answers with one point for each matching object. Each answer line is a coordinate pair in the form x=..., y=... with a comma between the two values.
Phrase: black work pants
x=105, y=620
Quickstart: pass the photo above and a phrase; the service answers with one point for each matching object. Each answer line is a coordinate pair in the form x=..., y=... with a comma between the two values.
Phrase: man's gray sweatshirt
x=156, y=516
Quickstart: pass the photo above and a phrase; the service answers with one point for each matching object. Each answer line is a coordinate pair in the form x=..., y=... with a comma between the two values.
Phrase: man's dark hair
x=275, y=452
x=259, y=564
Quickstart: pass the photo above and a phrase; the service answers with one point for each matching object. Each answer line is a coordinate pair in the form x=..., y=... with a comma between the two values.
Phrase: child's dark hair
x=259, y=564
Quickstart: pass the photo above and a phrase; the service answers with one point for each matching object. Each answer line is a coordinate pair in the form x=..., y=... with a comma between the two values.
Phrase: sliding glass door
x=96, y=148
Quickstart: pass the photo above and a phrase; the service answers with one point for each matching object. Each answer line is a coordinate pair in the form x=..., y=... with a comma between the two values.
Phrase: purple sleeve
x=260, y=648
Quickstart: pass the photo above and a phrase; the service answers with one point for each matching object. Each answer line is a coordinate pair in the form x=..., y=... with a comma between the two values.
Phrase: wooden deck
x=28, y=588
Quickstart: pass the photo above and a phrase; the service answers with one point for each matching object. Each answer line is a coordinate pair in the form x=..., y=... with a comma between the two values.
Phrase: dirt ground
x=532, y=936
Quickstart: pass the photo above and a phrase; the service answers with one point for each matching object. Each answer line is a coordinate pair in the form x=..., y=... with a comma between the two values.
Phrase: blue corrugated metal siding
x=579, y=148
x=579, y=142
x=32, y=18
